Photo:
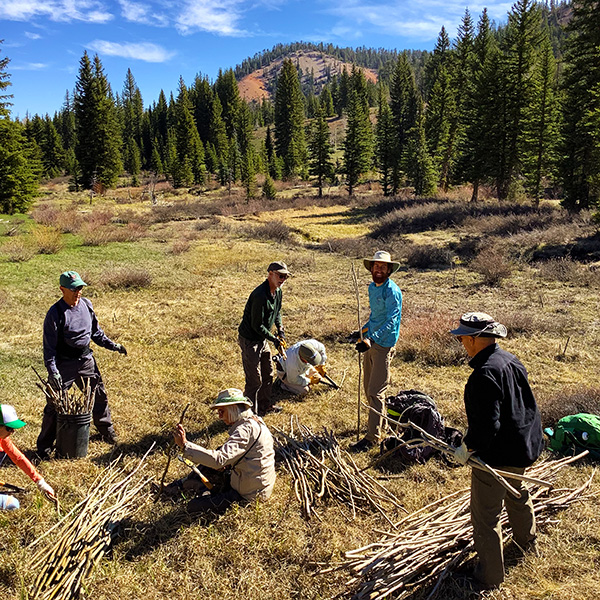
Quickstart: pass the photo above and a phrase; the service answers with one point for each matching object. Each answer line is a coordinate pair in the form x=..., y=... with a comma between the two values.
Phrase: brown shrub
x=18, y=250
x=180, y=246
x=529, y=322
x=126, y=278
x=271, y=230
x=561, y=269
x=47, y=240
x=425, y=337
x=358, y=247
x=493, y=265
x=569, y=401
x=426, y=256
x=92, y=235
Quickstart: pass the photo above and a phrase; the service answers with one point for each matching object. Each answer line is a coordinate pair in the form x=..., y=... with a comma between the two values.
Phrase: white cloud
x=136, y=12
x=89, y=11
x=32, y=36
x=214, y=16
x=141, y=51
x=29, y=67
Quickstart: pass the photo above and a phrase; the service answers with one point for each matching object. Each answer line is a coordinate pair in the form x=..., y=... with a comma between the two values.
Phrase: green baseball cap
x=230, y=396
x=71, y=280
x=8, y=417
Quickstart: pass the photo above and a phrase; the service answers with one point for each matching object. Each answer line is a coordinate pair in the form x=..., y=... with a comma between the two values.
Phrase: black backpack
x=420, y=409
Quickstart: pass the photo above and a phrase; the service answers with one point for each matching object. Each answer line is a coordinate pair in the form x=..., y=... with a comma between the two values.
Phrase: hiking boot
x=361, y=446
x=110, y=438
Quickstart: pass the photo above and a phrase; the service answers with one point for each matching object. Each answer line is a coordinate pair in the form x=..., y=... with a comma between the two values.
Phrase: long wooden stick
x=360, y=333
x=170, y=455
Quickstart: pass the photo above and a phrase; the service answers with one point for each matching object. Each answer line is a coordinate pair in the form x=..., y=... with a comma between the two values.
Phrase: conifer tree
x=218, y=138
x=132, y=115
x=98, y=135
x=201, y=97
x=289, y=121
x=190, y=152
x=319, y=147
x=19, y=167
x=273, y=165
x=269, y=190
x=246, y=150
x=580, y=164
x=326, y=102
x=404, y=99
x=227, y=89
x=358, y=144
x=541, y=122
x=418, y=163
x=156, y=165
x=385, y=143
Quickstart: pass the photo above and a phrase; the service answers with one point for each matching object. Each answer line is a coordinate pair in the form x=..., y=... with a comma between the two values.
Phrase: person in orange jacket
x=9, y=422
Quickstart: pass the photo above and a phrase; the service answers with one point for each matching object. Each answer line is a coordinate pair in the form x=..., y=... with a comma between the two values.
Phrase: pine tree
x=541, y=122
x=269, y=190
x=326, y=102
x=98, y=135
x=227, y=89
x=404, y=99
x=418, y=163
x=519, y=45
x=156, y=165
x=289, y=121
x=320, y=150
x=246, y=150
x=190, y=152
x=132, y=115
x=358, y=144
x=580, y=165
x=218, y=138
x=19, y=168
x=385, y=143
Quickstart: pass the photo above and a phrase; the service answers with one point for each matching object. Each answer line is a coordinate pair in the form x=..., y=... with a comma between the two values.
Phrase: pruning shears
x=13, y=489
x=193, y=467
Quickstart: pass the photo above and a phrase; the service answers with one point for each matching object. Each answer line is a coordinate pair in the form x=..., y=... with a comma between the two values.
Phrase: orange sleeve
x=20, y=460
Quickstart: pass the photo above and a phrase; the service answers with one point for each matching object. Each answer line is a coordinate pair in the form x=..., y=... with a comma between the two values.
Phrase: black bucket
x=72, y=435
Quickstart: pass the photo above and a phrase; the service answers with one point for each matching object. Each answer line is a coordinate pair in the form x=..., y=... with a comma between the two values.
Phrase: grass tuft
x=47, y=240
x=126, y=278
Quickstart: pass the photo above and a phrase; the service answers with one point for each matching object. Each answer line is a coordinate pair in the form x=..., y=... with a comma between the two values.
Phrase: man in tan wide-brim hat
x=380, y=334
x=248, y=453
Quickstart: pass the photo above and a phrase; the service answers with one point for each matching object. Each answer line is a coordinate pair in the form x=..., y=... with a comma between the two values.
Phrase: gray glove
x=121, y=349
x=55, y=380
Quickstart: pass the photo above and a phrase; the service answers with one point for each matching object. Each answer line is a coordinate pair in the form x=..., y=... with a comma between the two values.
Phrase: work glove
x=55, y=380
x=315, y=378
x=121, y=349
x=462, y=454
x=363, y=346
x=45, y=488
x=320, y=369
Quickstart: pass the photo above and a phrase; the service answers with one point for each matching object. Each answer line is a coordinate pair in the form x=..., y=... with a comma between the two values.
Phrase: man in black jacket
x=262, y=311
x=69, y=327
x=505, y=431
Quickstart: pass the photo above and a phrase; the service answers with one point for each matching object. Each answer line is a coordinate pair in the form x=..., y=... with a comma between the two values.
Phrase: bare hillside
x=257, y=85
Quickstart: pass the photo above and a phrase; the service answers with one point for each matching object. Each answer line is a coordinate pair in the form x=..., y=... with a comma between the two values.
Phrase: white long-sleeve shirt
x=296, y=371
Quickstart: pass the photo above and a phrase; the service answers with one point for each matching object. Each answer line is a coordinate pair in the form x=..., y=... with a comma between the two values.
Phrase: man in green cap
x=69, y=327
x=248, y=453
x=262, y=311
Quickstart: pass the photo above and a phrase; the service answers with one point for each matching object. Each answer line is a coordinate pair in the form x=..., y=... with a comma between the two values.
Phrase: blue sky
x=163, y=39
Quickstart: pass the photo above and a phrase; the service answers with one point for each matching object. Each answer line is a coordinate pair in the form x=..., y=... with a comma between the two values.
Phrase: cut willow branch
x=84, y=535
x=428, y=544
x=322, y=471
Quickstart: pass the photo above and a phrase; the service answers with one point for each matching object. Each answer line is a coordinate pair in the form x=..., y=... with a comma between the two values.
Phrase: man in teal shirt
x=380, y=335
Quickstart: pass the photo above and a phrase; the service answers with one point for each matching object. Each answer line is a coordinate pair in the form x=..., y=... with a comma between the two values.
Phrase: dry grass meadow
x=170, y=282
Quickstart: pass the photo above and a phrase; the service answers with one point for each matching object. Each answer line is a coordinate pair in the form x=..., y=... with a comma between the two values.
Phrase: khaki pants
x=258, y=368
x=487, y=497
x=376, y=366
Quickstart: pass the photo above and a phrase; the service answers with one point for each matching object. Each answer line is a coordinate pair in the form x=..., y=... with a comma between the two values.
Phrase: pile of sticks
x=428, y=544
x=84, y=535
x=321, y=470
x=73, y=401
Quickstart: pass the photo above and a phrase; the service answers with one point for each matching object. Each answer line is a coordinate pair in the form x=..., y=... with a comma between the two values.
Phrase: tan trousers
x=376, y=366
x=487, y=497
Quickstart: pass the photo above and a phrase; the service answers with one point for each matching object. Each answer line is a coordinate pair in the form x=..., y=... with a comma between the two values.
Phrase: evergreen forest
x=513, y=107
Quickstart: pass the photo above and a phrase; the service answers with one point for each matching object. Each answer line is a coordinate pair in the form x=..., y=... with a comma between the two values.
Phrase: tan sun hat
x=479, y=324
x=230, y=396
x=381, y=256
x=310, y=354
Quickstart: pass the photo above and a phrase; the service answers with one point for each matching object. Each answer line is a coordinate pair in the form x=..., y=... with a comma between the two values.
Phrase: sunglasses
x=282, y=277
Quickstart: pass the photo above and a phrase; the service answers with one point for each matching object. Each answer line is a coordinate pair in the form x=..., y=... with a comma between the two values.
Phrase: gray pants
x=258, y=369
x=487, y=497
x=376, y=366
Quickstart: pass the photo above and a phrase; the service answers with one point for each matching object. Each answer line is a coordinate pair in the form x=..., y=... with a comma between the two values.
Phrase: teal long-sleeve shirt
x=385, y=301
x=262, y=311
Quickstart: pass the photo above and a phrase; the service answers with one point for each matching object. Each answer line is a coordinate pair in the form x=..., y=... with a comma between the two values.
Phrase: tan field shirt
x=254, y=475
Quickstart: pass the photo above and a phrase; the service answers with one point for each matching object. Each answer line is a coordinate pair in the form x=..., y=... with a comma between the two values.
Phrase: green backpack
x=576, y=432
